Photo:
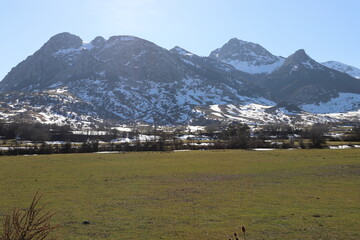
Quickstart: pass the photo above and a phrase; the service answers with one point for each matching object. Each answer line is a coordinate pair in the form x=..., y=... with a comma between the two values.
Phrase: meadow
x=279, y=194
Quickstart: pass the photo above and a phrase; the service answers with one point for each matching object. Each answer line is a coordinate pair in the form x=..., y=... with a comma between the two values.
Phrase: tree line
x=232, y=136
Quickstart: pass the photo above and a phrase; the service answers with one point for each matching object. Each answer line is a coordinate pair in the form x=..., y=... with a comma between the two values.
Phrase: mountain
x=341, y=67
x=125, y=79
x=302, y=80
x=247, y=57
x=128, y=79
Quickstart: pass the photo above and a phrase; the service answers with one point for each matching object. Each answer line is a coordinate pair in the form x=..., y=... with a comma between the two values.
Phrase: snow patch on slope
x=249, y=113
x=182, y=51
x=341, y=67
x=253, y=114
x=253, y=68
x=68, y=51
x=73, y=51
x=345, y=102
x=308, y=65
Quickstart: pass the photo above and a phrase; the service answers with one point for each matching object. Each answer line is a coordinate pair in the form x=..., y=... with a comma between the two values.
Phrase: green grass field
x=192, y=195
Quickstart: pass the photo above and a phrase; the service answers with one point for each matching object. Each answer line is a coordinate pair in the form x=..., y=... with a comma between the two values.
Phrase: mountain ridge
x=131, y=79
x=128, y=79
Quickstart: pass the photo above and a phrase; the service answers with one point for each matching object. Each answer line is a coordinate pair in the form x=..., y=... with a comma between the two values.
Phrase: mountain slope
x=341, y=67
x=302, y=80
x=247, y=57
x=259, y=114
x=130, y=79
x=49, y=107
x=127, y=79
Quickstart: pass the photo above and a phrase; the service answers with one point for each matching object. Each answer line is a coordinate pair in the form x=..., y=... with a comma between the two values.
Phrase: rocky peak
x=299, y=56
x=301, y=59
x=236, y=49
x=63, y=40
x=247, y=57
x=98, y=41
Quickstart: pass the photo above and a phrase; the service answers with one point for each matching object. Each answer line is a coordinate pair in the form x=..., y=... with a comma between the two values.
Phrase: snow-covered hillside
x=258, y=114
x=56, y=106
x=345, y=102
x=341, y=67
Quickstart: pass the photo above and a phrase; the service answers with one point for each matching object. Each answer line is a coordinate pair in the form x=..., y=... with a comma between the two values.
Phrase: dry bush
x=31, y=224
x=243, y=230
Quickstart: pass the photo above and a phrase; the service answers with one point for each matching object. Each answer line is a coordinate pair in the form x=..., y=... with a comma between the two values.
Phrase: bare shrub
x=243, y=230
x=31, y=224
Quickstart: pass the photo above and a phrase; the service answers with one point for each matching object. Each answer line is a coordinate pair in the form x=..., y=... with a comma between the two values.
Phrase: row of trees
x=34, y=131
x=37, y=132
x=232, y=136
x=239, y=135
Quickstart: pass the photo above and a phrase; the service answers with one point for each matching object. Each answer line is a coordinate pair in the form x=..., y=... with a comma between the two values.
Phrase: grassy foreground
x=192, y=195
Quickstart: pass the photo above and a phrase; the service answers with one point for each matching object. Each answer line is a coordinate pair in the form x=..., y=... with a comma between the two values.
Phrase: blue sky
x=326, y=29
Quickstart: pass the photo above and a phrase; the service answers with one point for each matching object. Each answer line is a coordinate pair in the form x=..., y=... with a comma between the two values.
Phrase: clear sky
x=326, y=29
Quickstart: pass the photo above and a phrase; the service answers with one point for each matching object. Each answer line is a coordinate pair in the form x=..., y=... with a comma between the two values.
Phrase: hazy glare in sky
x=326, y=29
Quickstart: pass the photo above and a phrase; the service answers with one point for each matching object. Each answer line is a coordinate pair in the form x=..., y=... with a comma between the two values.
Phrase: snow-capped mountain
x=341, y=67
x=130, y=79
x=247, y=57
x=126, y=79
